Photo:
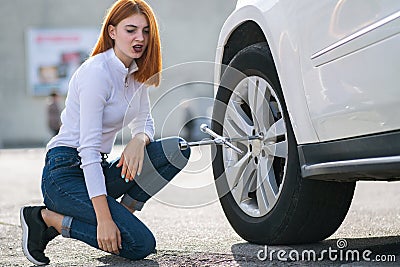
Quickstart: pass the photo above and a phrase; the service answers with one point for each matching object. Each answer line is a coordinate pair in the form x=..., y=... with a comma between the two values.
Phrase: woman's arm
x=143, y=122
x=92, y=87
x=108, y=234
x=92, y=91
x=142, y=130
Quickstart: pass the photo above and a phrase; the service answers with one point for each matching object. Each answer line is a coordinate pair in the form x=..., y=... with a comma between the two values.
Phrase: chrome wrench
x=218, y=140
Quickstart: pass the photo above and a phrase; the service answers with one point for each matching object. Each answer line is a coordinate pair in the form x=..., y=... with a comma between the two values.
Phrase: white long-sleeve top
x=103, y=97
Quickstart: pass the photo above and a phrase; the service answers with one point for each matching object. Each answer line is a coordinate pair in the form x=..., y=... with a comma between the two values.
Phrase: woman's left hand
x=132, y=157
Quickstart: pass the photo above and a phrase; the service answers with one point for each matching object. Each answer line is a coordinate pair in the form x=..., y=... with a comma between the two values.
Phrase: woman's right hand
x=109, y=236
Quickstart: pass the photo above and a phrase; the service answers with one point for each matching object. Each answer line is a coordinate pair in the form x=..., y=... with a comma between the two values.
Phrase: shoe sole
x=25, y=234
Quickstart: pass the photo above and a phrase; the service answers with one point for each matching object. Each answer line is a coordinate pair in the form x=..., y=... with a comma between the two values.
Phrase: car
x=309, y=91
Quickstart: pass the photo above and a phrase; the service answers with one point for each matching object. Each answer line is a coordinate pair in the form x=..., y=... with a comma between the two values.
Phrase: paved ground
x=189, y=224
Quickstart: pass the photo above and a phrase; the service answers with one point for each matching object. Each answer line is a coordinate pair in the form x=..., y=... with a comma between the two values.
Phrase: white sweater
x=102, y=98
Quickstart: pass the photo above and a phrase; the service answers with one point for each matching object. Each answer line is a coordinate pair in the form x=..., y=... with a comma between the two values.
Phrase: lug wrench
x=218, y=140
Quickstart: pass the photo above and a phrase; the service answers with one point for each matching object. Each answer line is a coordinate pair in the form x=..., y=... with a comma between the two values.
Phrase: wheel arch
x=235, y=36
x=240, y=39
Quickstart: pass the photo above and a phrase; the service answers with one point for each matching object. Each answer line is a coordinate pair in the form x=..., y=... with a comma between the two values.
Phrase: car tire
x=299, y=210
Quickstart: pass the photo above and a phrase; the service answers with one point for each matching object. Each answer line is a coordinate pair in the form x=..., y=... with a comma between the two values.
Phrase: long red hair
x=150, y=63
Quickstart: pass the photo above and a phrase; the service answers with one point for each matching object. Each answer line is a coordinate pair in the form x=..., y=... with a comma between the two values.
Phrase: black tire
x=307, y=210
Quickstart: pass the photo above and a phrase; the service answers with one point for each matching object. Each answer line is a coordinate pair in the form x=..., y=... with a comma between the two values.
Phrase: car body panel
x=334, y=61
x=350, y=67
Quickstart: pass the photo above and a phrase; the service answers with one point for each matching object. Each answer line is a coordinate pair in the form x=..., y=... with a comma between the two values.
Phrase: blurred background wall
x=189, y=32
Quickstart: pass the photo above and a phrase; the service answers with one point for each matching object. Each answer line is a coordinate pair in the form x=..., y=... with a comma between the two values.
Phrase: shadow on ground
x=327, y=253
x=112, y=260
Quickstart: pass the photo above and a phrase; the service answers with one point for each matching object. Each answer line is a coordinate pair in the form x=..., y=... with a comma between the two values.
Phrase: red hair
x=150, y=63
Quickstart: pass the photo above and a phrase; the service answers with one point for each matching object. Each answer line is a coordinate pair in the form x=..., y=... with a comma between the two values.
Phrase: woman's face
x=131, y=37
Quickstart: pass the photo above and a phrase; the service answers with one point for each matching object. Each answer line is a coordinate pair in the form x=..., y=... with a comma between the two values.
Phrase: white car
x=310, y=91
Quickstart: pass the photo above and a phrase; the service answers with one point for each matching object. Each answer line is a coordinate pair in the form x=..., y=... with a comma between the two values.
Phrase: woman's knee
x=170, y=148
x=141, y=248
x=148, y=246
x=175, y=149
x=185, y=152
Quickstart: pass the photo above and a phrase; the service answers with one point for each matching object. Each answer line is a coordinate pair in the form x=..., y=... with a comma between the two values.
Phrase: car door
x=350, y=65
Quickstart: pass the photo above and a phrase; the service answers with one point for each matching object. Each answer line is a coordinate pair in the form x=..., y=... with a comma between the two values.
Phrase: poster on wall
x=54, y=55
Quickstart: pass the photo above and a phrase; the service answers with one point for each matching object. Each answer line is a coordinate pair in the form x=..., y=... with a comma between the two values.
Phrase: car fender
x=284, y=48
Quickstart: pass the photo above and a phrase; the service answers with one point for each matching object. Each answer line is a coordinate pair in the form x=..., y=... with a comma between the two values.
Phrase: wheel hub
x=255, y=146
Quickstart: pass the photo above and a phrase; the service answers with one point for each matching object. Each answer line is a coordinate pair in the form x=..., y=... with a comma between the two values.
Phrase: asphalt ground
x=191, y=229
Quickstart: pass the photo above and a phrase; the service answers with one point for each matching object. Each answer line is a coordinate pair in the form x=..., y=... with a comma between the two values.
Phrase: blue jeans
x=64, y=191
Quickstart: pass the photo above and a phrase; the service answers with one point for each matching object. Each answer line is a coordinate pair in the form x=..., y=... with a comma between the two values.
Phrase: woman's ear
x=111, y=31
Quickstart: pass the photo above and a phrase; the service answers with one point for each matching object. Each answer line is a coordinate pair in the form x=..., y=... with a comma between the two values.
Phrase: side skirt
x=372, y=157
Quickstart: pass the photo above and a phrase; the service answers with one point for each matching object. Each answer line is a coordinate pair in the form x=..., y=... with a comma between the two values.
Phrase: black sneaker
x=35, y=235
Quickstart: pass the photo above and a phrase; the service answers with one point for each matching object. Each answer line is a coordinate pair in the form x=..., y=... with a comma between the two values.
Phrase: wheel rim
x=256, y=177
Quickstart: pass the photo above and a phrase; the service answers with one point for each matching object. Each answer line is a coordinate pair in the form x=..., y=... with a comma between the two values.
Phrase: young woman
x=79, y=186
